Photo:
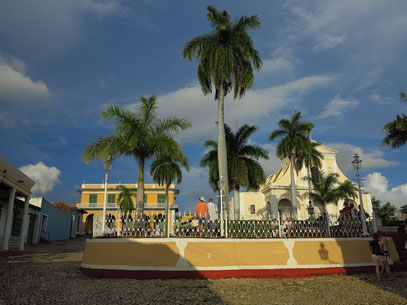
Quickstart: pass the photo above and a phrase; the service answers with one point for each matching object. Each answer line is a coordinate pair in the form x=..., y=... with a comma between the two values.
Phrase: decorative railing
x=152, y=224
x=110, y=205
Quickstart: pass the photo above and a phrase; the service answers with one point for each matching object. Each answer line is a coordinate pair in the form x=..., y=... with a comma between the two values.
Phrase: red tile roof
x=63, y=206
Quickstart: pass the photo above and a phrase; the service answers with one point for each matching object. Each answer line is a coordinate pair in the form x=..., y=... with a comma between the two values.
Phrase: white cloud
x=15, y=85
x=378, y=186
x=47, y=27
x=202, y=110
x=370, y=159
x=273, y=163
x=378, y=99
x=194, y=185
x=374, y=32
x=277, y=64
x=45, y=177
x=337, y=108
x=326, y=42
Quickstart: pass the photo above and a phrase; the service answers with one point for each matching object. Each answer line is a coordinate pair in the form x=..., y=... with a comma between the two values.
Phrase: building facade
x=15, y=192
x=93, y=196
x=274, y=197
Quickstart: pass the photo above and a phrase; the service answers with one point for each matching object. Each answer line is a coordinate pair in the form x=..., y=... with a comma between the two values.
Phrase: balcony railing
x=151, y=205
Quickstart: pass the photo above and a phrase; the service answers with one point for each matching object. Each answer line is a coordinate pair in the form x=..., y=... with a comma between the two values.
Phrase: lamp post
x=108, y=166
x=357, y=165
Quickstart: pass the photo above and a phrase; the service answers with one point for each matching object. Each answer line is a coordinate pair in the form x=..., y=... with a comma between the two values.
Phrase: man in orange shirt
x=201, y=210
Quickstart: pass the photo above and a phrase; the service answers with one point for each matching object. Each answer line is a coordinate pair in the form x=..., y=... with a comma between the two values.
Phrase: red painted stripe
x=219, y=274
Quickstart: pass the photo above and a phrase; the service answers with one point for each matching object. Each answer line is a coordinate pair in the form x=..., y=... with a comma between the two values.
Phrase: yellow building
x=93, y=195
x=274, y=197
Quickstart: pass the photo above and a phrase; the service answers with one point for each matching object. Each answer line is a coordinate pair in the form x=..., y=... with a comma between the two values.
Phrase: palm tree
x=125, y=200
x=243, y=166
x=396, y=131
x=294, y=142
x=166, y=170
x=226, y=61
x=311, y=158
x=327, y=189
x=140, y=135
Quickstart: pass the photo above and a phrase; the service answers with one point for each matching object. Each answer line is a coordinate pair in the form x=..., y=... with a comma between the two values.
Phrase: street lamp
x=357, y=164
x=108, y=166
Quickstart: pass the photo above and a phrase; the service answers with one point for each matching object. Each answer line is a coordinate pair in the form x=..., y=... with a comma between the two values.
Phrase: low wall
x=219, y=258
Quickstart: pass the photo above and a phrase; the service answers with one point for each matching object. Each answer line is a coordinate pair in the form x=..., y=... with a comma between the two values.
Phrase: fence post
x=279, y=225
x=327, y=216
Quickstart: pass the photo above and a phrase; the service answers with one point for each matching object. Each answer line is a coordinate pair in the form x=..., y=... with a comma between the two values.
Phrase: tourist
x=201, y=210
x=213, y=216
x=287, y=227
x=378, y=256
x=385, y=247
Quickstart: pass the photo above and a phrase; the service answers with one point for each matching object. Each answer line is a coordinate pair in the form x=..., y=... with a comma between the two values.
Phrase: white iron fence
x=153, y=224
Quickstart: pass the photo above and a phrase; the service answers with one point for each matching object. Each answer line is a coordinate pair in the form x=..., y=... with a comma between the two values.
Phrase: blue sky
x=61, y=62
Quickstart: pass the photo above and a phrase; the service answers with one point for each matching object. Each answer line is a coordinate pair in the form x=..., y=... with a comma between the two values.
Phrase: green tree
x=243, y=166
x=327, y=189
x=396, y=131
x=386, y=212
x=125, y=200
x=226, y=61
x=141, y=135
x=166, y=170
x=309, y=157
x=294, y=142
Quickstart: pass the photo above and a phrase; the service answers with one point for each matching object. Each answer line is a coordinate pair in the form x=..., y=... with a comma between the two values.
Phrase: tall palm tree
x=125, y=200
x=309, y=157
x=243, y=166
x=166, y=170
x=396, y=131
x=140, y=135
x=226, y=61
x=294, y=142
x=327, y=189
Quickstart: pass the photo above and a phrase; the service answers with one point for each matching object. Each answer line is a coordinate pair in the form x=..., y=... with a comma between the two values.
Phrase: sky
x=340, y=63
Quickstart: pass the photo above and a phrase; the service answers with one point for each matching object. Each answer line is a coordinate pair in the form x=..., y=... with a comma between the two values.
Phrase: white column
x=9, y=219
x=24, y=228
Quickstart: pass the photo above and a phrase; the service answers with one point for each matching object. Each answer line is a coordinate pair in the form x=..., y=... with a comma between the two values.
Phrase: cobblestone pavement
x=49, y=274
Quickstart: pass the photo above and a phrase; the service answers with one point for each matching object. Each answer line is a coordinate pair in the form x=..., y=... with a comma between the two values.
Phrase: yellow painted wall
x=232, y=254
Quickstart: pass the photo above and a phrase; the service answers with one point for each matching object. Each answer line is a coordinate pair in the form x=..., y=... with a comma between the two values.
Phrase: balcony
x=99, y=206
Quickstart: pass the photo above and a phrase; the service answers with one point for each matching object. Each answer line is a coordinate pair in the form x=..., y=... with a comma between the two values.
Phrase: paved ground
x=49, y=274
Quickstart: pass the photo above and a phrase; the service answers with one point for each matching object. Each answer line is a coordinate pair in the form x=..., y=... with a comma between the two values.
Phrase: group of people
x=207, y=213
x=349, y=219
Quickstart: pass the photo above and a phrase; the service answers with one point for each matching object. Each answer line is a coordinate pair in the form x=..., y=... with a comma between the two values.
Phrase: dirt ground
x=49, y=274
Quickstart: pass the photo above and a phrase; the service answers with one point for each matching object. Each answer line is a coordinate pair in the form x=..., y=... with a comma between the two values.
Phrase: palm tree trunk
x=222, y=151
x=293, y=187
x=236, y=201
x=310, y=204
x=140, y=190
x=167, y=212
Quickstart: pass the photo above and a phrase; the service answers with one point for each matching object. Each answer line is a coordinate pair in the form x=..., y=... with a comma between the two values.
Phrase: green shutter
x=161, y=198
x=145, y=198
x=93, y=198
x=111, y=200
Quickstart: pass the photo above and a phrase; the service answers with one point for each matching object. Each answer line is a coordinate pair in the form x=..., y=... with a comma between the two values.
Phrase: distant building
x=15, y=192
x=274, y=197
x=57, y=220
x=92, y=199
x=76, y=217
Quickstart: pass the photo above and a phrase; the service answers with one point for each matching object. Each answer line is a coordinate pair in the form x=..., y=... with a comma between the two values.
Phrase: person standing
x=201, y=210
x=213, y=216
x=378, y=255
